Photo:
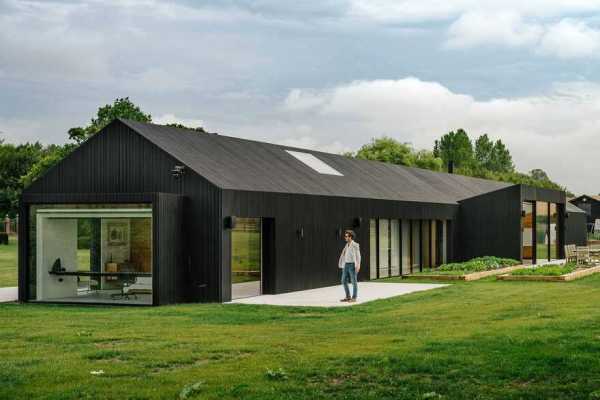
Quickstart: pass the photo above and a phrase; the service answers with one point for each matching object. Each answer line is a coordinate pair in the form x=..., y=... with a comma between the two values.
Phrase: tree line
x=483, y=158
x=23, y=163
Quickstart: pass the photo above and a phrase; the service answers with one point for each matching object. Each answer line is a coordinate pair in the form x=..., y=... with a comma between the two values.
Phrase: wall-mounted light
x=339, y=232
x=178, y=171
x=230, y=222
x=566, y=215
x=357, y=222
x=300, y=233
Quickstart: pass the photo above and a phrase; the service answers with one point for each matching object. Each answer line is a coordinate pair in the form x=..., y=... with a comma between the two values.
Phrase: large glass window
x=373, y=249
x=246, y=258
x=91, y=254
x=554, y=229
x=384, y=248
x=425, y=244
x=405, y=247
x=527, y=230
x=541, y=231
x=395, y=246
x=416, y=245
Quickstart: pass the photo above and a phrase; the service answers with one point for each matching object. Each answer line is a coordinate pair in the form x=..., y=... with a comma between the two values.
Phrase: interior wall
x=141, y=243
x=57, y=238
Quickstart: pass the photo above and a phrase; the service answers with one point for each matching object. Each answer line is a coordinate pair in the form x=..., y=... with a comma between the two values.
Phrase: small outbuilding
x=150, y=214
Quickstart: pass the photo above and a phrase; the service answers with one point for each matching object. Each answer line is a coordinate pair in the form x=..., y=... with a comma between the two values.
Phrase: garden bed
x=550, y=273
x=471, y=270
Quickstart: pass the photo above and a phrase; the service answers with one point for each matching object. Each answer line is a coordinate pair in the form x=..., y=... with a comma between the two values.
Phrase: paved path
x=8, y=294
x=330, y=296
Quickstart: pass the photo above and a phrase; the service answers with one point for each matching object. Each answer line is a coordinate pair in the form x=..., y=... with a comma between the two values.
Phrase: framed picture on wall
x=117, y=233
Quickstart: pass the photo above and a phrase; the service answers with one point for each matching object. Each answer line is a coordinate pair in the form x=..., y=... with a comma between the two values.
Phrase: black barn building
x=590, y=205
x=149, y=214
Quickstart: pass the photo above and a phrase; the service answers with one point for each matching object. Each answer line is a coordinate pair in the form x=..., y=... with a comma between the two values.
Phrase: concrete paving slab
x=8, y=294
x=330, y=296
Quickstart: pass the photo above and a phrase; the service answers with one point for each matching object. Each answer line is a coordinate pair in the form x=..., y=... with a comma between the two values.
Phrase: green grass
x=548, y=270
x=8, y=263
x=475, y=340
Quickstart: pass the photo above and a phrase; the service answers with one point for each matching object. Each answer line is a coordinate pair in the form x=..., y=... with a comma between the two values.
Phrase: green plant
x=548, y=270
x=478, y=264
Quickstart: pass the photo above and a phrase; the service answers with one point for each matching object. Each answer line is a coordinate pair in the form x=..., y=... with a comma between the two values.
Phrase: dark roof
x=240, y=164
x=593, y=197
x=573, y=208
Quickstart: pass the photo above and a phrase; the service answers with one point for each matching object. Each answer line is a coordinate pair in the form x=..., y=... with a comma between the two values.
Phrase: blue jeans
x=349, y=274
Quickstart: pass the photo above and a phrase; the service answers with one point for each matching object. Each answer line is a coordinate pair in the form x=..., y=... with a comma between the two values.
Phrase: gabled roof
x=593, y=197
x=240, y=164
x=573, y=208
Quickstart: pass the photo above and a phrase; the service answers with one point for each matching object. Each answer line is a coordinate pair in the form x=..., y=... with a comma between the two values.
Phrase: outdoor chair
x=570, y=252
x=583, y=255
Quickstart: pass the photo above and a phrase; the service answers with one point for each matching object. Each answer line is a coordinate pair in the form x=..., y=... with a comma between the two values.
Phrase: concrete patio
x=330, y=296
x=8, y=294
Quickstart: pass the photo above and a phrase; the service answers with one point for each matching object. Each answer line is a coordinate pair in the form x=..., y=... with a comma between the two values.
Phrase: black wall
x=490, y=225
x=594, y=206
x=312, y=262
x=118, y=161
x=576, y=229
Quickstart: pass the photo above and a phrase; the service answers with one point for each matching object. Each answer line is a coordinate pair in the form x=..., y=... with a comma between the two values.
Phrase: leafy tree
x=390, y=150
x=15, y=161
x=427, y=160
x=121, y=108
x=52, y=155
x=387, y=149
x=197, y=129
x=492, y=156
x=539, y=174
x=455, y=146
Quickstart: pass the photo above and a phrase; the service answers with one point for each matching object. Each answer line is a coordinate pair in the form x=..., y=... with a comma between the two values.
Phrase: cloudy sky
x=323, y=74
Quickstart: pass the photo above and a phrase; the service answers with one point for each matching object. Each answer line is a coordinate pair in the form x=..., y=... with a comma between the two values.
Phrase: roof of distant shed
x=240, y=164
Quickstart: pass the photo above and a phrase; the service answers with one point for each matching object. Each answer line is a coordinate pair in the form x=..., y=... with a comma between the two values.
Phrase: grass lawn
x=8, y=263
x=476, y=340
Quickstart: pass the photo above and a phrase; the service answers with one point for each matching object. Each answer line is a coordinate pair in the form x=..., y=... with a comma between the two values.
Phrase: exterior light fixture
x=357, y=222
x=178, y=171
x=230, y=222
x=300, y=233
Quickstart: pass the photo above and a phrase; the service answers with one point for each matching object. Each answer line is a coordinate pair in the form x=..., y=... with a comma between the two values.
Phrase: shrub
x=548, y=270
x=478, y=264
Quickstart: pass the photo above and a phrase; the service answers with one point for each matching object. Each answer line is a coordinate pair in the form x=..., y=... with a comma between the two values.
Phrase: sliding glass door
x=400, y=247
x=246, y=258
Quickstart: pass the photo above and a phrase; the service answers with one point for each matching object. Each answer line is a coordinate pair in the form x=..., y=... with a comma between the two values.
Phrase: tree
x=455, y=147
x=121, y=108
x=539, y=174
x=15, y=160
x=197, y=129
x=387, y=149
x=492, y=156
x=390, y=150
x=52, y=155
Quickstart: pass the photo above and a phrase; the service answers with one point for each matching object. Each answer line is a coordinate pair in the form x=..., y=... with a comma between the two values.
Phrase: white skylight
x=314, y=163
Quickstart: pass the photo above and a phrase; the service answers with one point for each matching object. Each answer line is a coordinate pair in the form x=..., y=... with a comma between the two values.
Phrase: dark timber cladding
x=575, y=226
x=225, y=176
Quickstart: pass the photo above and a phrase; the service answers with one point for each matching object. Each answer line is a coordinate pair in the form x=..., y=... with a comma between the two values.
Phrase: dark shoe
x=343, y=300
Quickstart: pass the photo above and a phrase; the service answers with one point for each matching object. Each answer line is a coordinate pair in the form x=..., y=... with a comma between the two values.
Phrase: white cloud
x=556, y=132
x=402, y=11
x=173, y=119
x=504, y=28
x=567, y=38
x=571, y=39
